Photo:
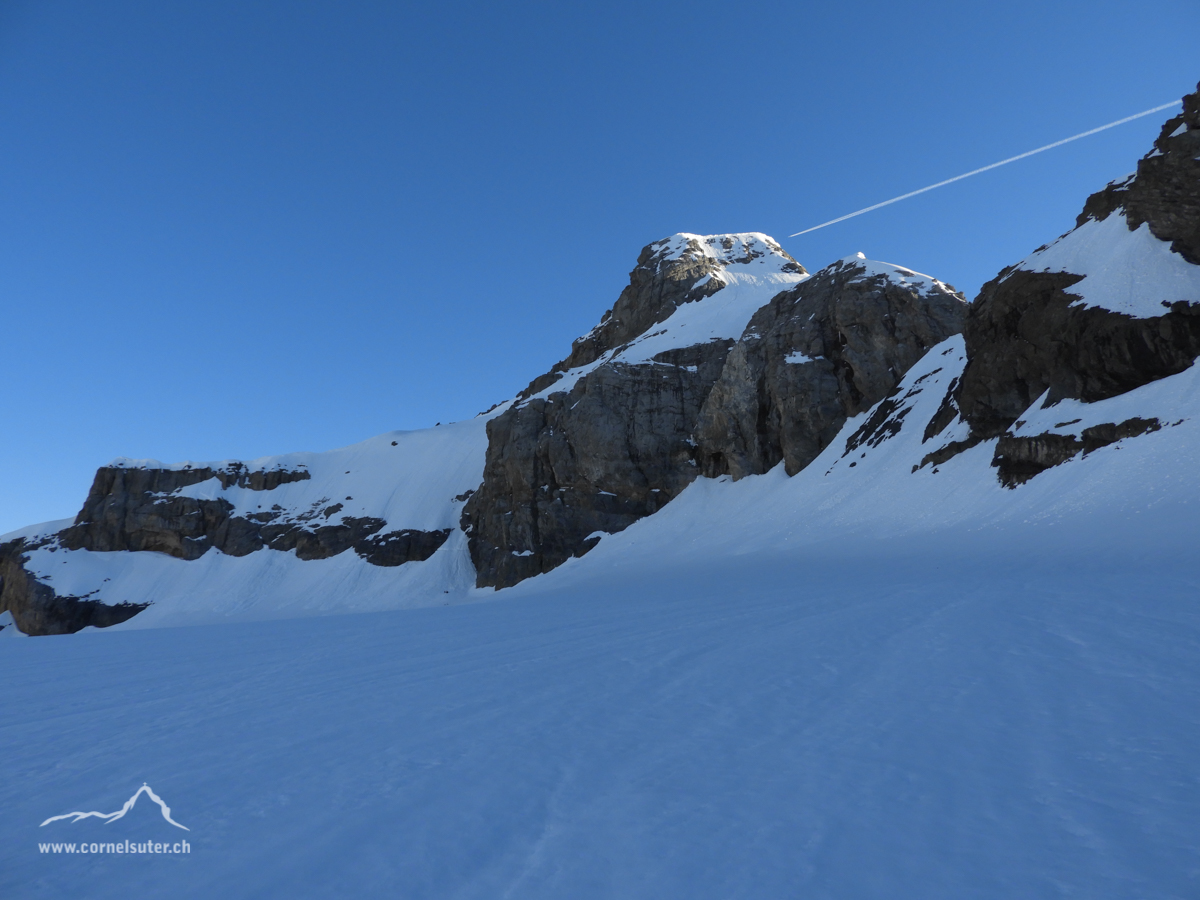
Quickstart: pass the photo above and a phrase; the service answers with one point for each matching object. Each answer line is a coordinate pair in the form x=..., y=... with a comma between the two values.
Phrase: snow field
x=878, y=719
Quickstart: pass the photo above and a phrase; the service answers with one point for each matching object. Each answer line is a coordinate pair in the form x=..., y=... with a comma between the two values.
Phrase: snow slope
x=874, y=679
x=860, y=682
x=964, y=713
x=1130, y=272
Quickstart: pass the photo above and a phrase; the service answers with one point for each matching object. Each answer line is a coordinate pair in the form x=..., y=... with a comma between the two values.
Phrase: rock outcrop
x=1031, y=333
x=614, y=442
x=597, y=458
x=38, y=610
x=1018, y=458
x=669, y=273
x=816, y=355
x=626, y=435
x=722, y=357
x=142, y=509
x=147, y=509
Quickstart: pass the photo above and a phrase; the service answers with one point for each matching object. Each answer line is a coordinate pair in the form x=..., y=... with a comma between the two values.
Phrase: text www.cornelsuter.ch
x=130, y=847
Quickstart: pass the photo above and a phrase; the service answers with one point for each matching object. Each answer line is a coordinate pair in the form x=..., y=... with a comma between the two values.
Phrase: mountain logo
x=113, y=816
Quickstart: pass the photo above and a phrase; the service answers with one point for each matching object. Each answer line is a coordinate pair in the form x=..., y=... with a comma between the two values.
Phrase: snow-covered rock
x=817, y=355
x=846, y=394
x=1109, y=306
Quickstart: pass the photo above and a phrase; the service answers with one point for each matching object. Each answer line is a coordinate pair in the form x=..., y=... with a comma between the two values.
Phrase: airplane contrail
x=1003, y=162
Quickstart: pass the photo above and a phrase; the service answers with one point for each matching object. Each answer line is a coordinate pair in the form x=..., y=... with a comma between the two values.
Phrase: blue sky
x=234, y=229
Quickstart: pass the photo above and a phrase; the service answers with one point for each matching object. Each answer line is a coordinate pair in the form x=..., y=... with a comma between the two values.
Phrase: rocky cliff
x=815, y=356
x=1111, y=305
x=722, y=357
x=605, y=437
x=631, y=428
x=388, y=502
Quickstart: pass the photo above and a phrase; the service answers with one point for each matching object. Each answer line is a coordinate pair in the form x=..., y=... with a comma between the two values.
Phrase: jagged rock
x=816, y=355
x=1165, y=191
x=1028, y=334
x=38, y=610
x=617, y=443
x=667, y=275
x=1020, y=458
x=395, y=548
x=136, y=508
x=139, y=508
x=1025, y=336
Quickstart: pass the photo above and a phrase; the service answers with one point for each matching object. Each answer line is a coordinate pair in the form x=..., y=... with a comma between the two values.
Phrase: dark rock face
x=137, y=509
x=1021, y=458
x=814, y=356
x=1165, y=191
x=626, y=439
x=613, y=449
x=1024, y=337
x=38, y=610
x=618, y=444
x=395, y=548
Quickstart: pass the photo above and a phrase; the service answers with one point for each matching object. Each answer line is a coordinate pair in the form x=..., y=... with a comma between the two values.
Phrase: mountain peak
x=724, y=250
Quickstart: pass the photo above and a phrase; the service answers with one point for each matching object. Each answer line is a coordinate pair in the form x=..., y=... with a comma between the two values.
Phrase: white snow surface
x=858, y=682
x=1130, y=272
x=797, y=358
x=901, y=275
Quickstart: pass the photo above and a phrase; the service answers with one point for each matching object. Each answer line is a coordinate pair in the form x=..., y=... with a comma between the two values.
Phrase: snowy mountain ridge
x=864, y=393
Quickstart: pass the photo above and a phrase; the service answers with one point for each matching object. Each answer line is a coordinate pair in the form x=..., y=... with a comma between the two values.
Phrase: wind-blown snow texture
x=988, y=715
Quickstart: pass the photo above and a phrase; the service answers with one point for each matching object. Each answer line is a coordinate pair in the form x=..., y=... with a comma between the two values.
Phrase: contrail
x=1003, y=162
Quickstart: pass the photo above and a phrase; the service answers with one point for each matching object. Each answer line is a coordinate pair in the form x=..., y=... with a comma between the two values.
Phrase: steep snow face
x=1130, y=272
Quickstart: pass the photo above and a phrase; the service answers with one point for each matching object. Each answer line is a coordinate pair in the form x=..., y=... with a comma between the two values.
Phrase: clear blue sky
x=232, y=229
